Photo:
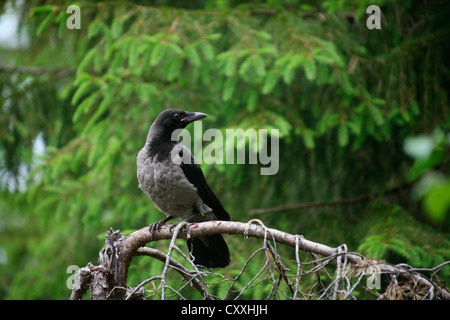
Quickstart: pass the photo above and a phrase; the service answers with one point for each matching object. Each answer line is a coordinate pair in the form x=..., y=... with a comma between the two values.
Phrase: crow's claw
x=156, y=226
x=173, y=226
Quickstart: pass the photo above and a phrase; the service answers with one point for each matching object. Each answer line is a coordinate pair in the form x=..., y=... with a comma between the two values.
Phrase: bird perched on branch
x=169, y=175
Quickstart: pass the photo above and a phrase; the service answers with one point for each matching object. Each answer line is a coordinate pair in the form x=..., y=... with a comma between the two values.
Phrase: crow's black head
x=163, y=131
x=172, y=119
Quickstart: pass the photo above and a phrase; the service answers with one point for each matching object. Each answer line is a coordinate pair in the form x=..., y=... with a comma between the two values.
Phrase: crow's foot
x=158, y=224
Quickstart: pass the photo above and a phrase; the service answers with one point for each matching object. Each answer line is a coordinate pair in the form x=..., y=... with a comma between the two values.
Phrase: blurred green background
x=363, y=117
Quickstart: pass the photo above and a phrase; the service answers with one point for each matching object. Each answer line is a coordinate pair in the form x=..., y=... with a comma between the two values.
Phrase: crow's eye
x=176, y=116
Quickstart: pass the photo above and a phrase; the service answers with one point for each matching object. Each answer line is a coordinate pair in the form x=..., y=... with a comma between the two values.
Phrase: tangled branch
x=109, y=279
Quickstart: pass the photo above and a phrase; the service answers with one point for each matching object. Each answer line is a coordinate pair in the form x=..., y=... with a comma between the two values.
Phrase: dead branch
x=109, y=279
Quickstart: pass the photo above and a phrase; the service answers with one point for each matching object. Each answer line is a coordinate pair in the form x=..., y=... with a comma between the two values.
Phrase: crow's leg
x=158, y=224
x=188, y=219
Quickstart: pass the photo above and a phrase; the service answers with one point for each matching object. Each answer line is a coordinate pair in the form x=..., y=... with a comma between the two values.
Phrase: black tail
x=209, y=251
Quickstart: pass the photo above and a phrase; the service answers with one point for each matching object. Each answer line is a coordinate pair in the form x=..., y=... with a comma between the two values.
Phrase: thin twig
x=182, y=224
x=339, y=202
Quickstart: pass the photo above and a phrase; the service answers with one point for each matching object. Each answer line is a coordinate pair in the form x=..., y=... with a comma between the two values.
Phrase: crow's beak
x=192, y=116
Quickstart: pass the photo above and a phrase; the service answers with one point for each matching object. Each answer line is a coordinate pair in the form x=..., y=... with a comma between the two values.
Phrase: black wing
x=194, y=174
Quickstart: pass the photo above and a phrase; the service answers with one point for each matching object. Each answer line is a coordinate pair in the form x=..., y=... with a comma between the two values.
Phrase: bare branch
x=184, y=272
x=81, y=283
x=351, y=267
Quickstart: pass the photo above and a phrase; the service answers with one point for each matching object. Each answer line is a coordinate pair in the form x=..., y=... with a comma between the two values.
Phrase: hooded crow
x=170, y=176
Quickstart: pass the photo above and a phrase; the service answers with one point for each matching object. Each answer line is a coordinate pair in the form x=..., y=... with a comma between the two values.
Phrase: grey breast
x=166, y=185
